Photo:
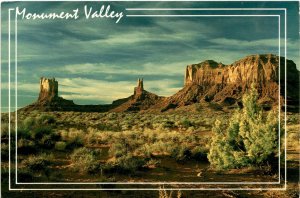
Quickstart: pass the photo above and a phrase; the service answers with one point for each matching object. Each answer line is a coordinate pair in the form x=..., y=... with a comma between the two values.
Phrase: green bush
x=109, y=127
x=118, y=150
x=60, y=146
x=23, y=133
x=38, y=162
x=126, y=164
x=36, y=127
x=74, y=142
x=169, y=124
x=26, y=146
x=29, y=123
x=86, y=160
x=249, y=139
x=181, y=153
x=186, y=123
x=45, y=119
x=40, y=131
x=199, y=153
x=130, y=163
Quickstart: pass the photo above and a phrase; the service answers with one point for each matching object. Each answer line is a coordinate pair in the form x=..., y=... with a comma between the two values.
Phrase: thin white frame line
x=197, y=188
x=9, y=155
x=17, y=107
x=165, y=182
x=16, y=97
x=149, y=183
x=195, y=15
x=285, y=95
x=211, y=9
x=153, y=189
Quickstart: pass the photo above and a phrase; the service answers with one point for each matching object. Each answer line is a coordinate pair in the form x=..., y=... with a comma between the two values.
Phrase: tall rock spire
x=140, y=87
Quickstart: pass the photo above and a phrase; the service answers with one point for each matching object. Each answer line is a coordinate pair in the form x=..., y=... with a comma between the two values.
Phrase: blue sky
x=97, y=61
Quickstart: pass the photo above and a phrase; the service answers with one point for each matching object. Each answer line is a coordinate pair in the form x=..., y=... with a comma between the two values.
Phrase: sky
x=98, y=60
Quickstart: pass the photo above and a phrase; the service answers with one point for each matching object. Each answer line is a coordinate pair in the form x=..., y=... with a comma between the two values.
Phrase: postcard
x=150, y=99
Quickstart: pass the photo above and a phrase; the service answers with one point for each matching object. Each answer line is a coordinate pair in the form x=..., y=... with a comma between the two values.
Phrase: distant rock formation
x=207, y=82
x=140, y=100
x=140, y=87
x=225, y=84
x=49, y=100
x=48, y=89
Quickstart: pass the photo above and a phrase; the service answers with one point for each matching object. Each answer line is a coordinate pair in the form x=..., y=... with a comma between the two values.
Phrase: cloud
x=272, y=43
x=97, y=91
x=242, y=43
x=80, y=88
x=27, y=87
x=165, y=69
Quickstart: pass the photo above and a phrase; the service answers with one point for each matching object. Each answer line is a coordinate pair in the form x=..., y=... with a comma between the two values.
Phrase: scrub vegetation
x=171, y=146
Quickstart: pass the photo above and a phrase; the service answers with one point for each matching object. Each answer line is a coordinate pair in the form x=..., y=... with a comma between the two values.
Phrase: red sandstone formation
x=225, y=84
x=207, y=81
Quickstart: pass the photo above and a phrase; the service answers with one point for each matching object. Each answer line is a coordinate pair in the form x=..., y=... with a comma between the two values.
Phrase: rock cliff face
x=211, y=81
x=48, y=99
x=48, y=89
x=205, y=73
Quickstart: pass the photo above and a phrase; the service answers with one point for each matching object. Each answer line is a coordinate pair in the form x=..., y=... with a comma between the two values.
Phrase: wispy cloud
x=80, y=89
x=172, y=68
x=271, y=43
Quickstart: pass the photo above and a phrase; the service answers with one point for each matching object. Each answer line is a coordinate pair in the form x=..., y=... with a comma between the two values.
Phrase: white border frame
x=161, y=183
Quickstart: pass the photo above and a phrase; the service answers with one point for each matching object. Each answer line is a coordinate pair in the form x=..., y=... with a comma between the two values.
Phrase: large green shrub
x=38, y=129
x=251, y=138
x=86, y=160
x=126, y=164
